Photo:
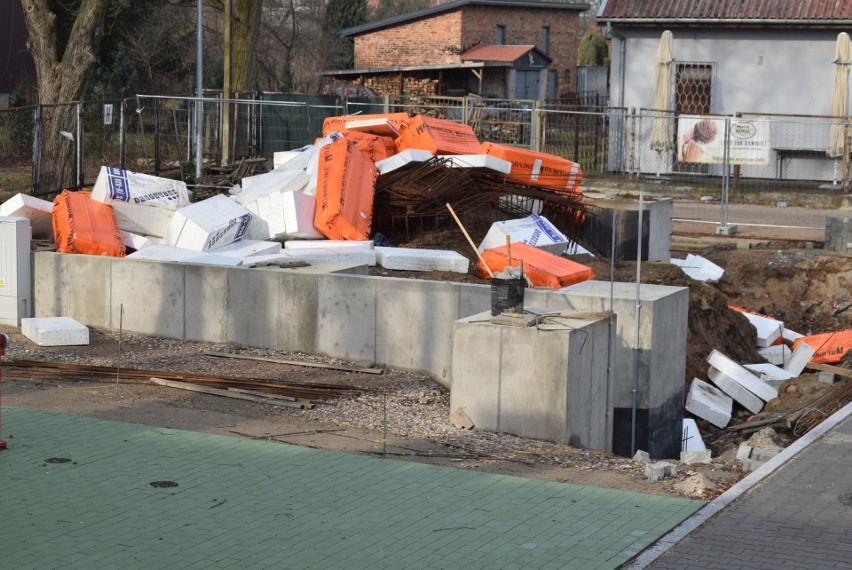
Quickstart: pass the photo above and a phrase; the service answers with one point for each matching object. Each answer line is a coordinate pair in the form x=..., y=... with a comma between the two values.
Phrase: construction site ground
x=404, y=415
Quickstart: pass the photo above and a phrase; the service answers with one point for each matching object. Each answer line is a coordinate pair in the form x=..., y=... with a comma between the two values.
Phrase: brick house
x=502, y=48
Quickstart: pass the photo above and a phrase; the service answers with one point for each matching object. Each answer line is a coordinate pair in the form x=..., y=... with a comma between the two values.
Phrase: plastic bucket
x=507, y=295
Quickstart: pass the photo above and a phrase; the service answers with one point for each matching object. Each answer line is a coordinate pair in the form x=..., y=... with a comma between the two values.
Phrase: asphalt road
x=752, y=221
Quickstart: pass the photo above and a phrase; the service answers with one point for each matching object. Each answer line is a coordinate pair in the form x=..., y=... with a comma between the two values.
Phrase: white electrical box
x=15, y=271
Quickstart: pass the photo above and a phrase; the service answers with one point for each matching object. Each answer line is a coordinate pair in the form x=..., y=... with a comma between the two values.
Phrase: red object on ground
x=541, y=268
x=4, y=342
x=829, y=348
x=83, y=225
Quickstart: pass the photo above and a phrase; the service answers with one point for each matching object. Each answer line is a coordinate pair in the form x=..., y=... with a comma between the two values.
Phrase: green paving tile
x=244, y=503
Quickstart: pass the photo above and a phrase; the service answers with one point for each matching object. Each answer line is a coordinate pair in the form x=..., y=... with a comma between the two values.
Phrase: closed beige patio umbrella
x=840, y=98
x=661, y=132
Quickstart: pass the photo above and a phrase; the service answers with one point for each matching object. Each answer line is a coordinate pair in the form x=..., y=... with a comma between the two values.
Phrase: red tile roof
x=792, y=11
x=487, y=52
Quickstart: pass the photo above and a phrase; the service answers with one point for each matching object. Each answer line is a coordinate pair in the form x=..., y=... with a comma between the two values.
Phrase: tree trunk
x=245, y=33
x=64, y=66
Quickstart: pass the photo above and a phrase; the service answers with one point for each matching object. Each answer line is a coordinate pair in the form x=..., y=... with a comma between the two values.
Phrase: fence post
x=80, y=130
x=632, y=139
x=535, y=134
x=258, y=118
x=156, y=136
x=122, y=134
x=386, y=104
x=36, y=151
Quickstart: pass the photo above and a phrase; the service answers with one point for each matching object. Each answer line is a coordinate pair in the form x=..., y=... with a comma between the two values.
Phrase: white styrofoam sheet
x=142, y=220
x=55, y=331
x=799, y=359
x=205, y=225
x=768, y=329
x=777, y=354
x=248, y=248
x=709, y=403
x=482, y=161
x=337, y=244
x=533, y=230
x=283, y=215
x=276, y=181
x=365, y=256
x=692, y=440
x=39, y=212
x=401, y=159
x=735, y=390
x=117, y=185
x=699, y=268
x=409, y=259
x=181, y=255
x=136, y=241
x=748, y=380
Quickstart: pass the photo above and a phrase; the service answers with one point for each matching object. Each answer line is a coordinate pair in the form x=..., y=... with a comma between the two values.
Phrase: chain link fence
x=157, y=135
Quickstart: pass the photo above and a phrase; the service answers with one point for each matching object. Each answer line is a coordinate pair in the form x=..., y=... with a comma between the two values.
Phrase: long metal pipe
x=635, y=390
x=199, y=105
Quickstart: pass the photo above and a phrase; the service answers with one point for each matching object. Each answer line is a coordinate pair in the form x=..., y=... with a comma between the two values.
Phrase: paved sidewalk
x=242, y=503
x=798, y=517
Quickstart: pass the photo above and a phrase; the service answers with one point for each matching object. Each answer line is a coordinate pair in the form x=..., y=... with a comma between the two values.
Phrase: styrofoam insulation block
x=400, y=159
x=692, y=440
x=709, y=403
x=533, y=230
x=777, y=354
x=181, y=255
x=283, y=215
x=483, y=161
x=739, y=374
x=248, y=248
x=768, y=330
x=211, y=223
x=328, y=244
x=699, y=268
x=296, y=159
x=117, y=185
x=735, y=390
x=276, y=181
x=55, y=331
x=136, y=241
x=799, y=359
x=266, y=260
x=770, y=373
x=791, y=336
x=39, y=212
x=142, y=220
x=691, y=457
x=408, y=259
x=365, y=256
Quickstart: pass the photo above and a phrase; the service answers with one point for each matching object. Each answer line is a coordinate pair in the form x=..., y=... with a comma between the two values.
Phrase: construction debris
x=55, y=331
x=660, y=470
x=709, y=403
x=699, y=268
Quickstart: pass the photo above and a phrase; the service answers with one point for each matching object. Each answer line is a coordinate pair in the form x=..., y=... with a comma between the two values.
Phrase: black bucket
x=507, y=295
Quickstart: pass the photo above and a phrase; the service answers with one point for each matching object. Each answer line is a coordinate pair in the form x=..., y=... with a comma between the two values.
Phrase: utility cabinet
x=15, y=271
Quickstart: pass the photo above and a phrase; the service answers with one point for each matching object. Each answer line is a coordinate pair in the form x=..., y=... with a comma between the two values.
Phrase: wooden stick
x=470, y=241
x=224, y=393
x=295, y=362
x=843, y=372
x=509, y=249
x=756, y=424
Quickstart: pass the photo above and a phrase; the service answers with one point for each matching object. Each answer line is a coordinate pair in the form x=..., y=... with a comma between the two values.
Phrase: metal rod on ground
x=120, y=329
x=470, y=241
x=636, y=341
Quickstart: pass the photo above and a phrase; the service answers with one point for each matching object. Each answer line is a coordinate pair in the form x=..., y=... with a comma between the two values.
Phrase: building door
x=693, y=89
x=526, y=84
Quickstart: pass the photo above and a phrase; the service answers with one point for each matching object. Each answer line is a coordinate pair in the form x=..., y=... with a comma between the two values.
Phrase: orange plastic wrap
x=829, y=348
x=538, y=168
x=541, y=268
x=345, y=186
x=437, y=136
x=338, y=124
x=83, y=225
x=375, y=147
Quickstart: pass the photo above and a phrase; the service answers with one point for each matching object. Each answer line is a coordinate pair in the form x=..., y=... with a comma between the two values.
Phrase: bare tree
x=64, y=43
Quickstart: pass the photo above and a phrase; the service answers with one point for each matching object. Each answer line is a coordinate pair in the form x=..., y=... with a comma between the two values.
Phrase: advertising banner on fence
x=702, y=140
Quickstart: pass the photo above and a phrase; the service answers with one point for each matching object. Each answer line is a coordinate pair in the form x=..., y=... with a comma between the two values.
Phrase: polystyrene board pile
x=378, y=125
x=283, y=215
x=769, y=373
x=692, y=440
x=205, y=225
x=699, y=268
x=400, y=159
x=709, y=403
x=143, y=220
x=117, y=185
x=777, y=354
x=37, y=211
x=296, y=159
x=408, y=259
x=269, y=182
x=483, y=161
x=55, y=331
x=533, y=230
x=742, y=376
x=248, y=248
x=135, y=241
x=363, y=256
x=735, y=390
x=768, y=329
x=802, y=354
x=181, y=255
x=337, y=244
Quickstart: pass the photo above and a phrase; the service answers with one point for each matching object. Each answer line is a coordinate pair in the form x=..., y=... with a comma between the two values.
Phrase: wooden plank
x=295, y=362
x=306, y=404
x=224, y=393
x=843, y=372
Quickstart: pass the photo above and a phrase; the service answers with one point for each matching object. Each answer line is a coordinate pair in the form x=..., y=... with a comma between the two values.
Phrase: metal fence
x=156, y=135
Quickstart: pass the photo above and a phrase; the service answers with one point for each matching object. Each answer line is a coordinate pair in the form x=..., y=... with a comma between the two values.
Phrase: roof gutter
x=710, y=21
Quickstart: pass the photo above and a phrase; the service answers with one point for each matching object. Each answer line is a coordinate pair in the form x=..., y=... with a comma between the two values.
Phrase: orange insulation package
x=538, y=168
x=437, y=136
x=541, y=268
x=83, y=225
x=375, y=147
x=829, y=348
x=338, y=124
x=346, y=183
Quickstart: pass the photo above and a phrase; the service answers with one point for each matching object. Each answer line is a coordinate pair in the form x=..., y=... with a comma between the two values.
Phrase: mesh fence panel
x=17, y=127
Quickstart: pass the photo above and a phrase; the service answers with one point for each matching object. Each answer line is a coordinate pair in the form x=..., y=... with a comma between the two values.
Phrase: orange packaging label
x=375, y=147
x=538, y=168
x=438, y=136
x=83, y=225
x=345, y=187
x=541, y=268
x=338, y=124
x=829, y=348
